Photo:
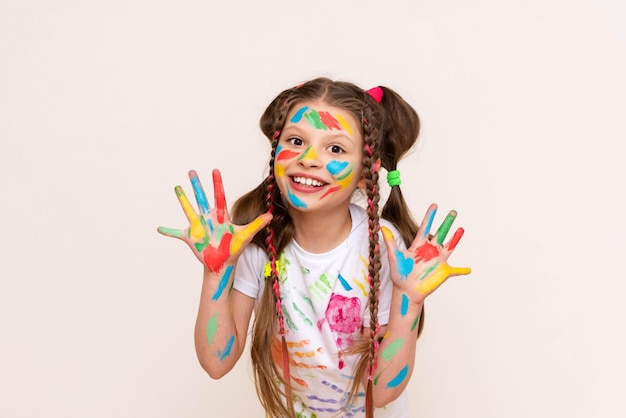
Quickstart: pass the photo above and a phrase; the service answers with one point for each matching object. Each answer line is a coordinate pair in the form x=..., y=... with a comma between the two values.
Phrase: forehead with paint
x=323, y=117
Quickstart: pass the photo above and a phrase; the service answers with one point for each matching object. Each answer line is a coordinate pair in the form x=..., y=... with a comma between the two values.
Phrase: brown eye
x=335, y=149
x=296, y=141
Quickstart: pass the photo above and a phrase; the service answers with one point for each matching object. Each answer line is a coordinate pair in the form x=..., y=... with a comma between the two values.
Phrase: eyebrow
x=330, y=133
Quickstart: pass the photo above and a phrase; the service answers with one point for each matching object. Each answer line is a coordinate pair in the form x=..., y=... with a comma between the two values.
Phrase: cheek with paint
x=282, y=156
x=343, y=172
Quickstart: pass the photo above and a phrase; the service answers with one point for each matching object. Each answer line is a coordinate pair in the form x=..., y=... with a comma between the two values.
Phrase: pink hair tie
x=376, y=93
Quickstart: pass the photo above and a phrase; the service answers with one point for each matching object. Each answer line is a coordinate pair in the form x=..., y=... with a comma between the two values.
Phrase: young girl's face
x=319, y=157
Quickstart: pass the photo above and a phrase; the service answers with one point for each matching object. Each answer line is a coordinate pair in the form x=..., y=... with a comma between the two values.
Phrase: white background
x=105, y=105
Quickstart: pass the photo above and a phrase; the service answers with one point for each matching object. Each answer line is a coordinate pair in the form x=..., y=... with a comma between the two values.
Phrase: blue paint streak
x=430, y=223
x=404, y=306
x=298, y=116
x=335, y=167
x=227, y=349
x=405, y=265
x=223, y=283
x=295, y=201
x=344, y=283
x=399, y=378
x=200, y=196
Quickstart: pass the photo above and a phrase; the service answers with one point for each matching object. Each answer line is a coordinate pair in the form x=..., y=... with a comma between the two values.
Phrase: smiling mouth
x=307, y=181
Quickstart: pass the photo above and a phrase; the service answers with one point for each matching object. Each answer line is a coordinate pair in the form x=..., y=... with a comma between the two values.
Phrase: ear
x=375, y=168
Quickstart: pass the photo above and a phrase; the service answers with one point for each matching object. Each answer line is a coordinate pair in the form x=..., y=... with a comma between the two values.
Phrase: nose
x=309, y=158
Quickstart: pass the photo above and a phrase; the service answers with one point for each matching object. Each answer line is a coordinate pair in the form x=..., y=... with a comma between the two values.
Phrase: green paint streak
x=171, y=232
x=211, y=328
x=392, y=349
x=345, y=175
x=429, y=270
x=304, y=154
x=319, y=287
x=314, y=119
x=324, y=279
x=202, y=244
x=445, y=227
x=223, y=229
x=377, y=377
x=302, y=315
x=289, y=321
x=307, y=300
x=417, y=320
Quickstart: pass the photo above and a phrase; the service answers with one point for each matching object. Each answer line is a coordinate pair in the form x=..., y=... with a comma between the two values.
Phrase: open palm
x=419, y=270
x=211, y=236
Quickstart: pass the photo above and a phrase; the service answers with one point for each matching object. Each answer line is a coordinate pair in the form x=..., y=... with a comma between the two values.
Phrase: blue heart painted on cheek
x=405, y=264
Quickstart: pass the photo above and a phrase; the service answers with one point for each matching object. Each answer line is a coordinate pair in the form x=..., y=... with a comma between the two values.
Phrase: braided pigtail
x=269, y=319
x=370, y=131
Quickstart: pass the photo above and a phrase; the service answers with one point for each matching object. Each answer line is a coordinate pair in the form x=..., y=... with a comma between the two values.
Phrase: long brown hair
x=389, y=129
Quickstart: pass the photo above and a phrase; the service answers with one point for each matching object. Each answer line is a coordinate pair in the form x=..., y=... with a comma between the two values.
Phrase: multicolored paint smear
x=321, y=120
x=213, y=238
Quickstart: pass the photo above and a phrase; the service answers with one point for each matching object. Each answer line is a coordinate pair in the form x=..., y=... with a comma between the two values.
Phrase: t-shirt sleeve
x=249, y=271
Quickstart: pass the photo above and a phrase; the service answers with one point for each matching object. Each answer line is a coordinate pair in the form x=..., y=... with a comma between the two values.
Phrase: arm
x=222, y=323
x=416, y=273
x=223, y=316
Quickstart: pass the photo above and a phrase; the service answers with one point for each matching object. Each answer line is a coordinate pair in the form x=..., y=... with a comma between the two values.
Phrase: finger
x=397, y=260
x=427, y=223
x=169, y=232
x=245, y=235
x=220, y=197
x=455, y=240
x=445, y=227
x=197, y=231
x=460, y=271
x=198, y=190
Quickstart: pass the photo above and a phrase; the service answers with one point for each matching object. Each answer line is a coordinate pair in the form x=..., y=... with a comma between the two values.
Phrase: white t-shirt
x=325, y=305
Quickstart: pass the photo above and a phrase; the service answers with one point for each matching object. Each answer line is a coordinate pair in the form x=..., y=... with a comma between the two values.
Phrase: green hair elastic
x=393, y=178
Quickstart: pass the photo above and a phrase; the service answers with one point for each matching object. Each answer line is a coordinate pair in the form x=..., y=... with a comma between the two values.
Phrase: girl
x=337, y=311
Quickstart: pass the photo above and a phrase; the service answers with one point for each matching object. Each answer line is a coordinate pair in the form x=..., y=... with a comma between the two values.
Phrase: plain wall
x=105, y=106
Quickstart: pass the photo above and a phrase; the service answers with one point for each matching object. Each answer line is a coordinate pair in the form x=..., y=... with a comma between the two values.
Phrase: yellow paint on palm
x=438, y=276
x=344, y=124
x=245, y=233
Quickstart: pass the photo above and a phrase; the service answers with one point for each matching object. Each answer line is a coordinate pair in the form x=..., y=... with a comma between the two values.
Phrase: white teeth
x=307, y=181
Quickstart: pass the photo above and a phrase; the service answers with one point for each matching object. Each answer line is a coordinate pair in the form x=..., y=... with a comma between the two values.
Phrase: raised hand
x=423, y=267
x=210, y=235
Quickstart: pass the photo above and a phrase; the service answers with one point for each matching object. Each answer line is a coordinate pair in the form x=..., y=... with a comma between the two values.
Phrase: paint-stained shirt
x=325, y=305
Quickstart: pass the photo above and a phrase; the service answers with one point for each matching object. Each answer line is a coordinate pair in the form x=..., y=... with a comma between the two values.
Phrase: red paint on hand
x=220, y=197
x=426, y=252
x=214, y=258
